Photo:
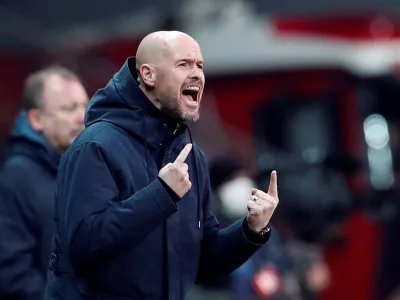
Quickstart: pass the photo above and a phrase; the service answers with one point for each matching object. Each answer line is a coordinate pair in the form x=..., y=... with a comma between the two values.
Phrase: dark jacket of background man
x=27, y=181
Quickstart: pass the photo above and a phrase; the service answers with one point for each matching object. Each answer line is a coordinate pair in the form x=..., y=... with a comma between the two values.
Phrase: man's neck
x=152, y=98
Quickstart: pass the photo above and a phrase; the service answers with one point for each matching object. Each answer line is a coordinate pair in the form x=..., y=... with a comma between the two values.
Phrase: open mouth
x=190, y=94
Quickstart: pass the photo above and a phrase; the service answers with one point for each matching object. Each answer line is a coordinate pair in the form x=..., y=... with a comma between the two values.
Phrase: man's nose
x=81, y=116
x=81, y=120
x=196, y=73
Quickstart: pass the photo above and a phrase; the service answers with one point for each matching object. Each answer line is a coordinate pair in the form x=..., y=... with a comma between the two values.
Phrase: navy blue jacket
x=121, y=233
x=27, y=184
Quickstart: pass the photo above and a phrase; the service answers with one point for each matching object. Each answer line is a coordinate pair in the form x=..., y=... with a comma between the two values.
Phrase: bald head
x=155, y=46
x=167, y=61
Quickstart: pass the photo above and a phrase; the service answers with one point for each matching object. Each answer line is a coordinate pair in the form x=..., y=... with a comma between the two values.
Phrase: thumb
x=273, y=185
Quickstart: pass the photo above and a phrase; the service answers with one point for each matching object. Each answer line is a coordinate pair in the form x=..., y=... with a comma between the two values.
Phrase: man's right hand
x=176, y=174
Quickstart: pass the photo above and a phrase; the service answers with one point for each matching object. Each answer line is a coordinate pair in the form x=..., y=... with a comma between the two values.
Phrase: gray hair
x=33, y=90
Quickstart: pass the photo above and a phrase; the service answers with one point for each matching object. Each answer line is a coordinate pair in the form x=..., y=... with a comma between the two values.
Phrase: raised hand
x=262, y=205
x=176, y=174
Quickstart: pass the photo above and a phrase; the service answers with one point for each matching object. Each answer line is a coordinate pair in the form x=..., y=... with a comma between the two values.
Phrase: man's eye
x=200, y=67
x=68, y=108
x=183, y=64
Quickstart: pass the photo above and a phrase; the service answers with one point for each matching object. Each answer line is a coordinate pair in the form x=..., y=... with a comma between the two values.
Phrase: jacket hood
x=124, y=104
x=26, y=141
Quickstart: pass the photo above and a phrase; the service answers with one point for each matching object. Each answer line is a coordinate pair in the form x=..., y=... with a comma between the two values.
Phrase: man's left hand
x=262, y=205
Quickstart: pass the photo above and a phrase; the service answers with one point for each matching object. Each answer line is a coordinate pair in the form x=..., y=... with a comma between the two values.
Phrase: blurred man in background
x=54, y=106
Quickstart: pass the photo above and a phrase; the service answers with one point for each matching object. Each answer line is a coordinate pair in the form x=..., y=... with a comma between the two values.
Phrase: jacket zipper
x=176, y=129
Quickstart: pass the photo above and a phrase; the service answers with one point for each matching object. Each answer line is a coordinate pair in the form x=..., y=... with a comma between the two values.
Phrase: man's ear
x=148, y=75
x=34, y=118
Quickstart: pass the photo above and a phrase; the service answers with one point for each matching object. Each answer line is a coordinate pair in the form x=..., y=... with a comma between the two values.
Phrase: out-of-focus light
x=376, y=131
x=379, y=153
x=381, y=168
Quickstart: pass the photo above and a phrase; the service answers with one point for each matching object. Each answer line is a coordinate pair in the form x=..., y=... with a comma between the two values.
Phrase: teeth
x=192, y=88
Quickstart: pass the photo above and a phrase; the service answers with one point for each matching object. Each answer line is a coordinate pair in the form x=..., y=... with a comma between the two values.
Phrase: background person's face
x=180, y=80
x=63, y=110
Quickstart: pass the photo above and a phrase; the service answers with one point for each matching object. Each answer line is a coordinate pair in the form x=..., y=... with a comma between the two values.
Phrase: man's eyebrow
x=192, y=60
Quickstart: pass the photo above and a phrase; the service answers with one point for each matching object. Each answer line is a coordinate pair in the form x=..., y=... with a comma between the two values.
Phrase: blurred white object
x=380, y=160
x=234, y=196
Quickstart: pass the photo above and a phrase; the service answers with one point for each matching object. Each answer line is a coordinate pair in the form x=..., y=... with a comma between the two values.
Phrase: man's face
x=180, y=80
x=63, y=110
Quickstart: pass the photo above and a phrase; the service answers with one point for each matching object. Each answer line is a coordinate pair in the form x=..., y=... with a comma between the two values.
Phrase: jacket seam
x=90, y=141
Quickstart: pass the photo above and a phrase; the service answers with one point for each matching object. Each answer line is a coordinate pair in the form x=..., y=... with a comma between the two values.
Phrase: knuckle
x=275, y=201
x=261, y=194
x=251, y=204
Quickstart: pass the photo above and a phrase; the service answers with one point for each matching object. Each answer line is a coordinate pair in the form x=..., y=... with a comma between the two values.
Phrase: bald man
x=133, y=209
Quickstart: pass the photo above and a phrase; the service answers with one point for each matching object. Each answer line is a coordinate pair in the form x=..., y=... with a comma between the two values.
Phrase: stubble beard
x=190, y=117
x=173, y=108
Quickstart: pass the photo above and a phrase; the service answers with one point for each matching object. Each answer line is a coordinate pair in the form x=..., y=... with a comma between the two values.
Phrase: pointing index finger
x=184, y=154
x=273, y=185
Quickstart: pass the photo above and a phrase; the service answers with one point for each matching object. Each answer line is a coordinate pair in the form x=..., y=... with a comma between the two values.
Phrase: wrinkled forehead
x=184, y=48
